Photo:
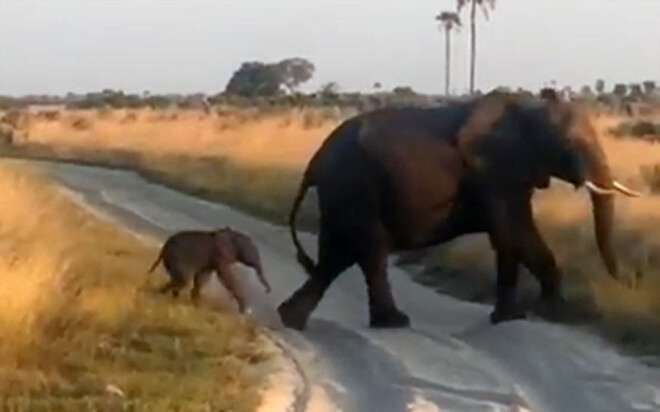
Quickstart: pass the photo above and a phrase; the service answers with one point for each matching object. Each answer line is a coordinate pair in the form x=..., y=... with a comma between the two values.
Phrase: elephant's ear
x=497, y=145
x=486, y=113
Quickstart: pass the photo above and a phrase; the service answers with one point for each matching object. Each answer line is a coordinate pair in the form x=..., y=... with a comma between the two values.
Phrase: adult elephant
x=398, y=179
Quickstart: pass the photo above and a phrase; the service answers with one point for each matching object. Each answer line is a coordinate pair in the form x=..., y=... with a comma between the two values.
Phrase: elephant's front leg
x=506, y=229
x=506, y=304
x=540, y=261
x=538, y=258
x=228, y=279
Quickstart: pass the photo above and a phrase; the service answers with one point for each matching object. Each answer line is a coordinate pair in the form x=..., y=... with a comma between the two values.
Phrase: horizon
x=173, y=47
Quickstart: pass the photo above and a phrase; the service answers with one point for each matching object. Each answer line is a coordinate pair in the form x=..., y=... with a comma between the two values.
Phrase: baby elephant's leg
x=249, y=256
x=226, y=276
x=173, y=286
x=178, y=278
x=167, y=287
x=199, y=281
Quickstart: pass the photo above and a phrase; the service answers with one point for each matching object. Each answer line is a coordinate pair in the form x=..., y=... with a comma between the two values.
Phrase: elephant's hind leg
x=167, y=287
x=172, y=287
x=334, y=258
x=383, y=312
x=178, y=279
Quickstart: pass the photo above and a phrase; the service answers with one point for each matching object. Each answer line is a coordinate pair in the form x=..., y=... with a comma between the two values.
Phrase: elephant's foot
x=392, y=318
x=506, y=315
x=292, y=316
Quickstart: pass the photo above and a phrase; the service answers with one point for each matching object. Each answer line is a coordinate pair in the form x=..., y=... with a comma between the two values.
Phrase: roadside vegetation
x=82, y=329
x=252, y=157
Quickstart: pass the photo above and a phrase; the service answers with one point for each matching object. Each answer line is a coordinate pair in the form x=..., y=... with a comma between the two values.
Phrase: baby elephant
x=196, y=254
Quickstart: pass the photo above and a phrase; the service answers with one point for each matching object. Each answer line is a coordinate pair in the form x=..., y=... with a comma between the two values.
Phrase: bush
x=6, y=134
x=104, y=113
x=651, y=175
x=81, y=123
x=49, y=115
x=12, y=118
x=129, y=118
x=642, y=129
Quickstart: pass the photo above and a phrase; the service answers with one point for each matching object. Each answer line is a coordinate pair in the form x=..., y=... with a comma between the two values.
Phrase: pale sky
x=57, y=46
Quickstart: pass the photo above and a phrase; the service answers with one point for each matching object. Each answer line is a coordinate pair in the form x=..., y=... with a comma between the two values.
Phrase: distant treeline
x=619, y=97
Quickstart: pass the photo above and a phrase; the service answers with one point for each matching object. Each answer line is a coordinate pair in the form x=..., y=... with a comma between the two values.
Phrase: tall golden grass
x=254, y=160
x=80, y=329
x=245, y=136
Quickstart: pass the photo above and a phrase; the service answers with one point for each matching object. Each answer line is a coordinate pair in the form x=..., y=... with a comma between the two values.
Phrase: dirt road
x=451, y=359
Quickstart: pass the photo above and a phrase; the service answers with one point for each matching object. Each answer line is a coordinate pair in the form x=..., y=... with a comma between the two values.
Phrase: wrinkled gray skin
x=400, y=179
x=197, y=254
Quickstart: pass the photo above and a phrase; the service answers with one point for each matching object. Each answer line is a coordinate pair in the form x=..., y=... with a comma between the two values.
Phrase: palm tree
x=448, y=21
x=483, y=5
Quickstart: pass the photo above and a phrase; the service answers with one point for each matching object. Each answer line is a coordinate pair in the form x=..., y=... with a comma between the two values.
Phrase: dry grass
x=248, y=159
x=245, y=136
x=79, y=323
x=253, y=160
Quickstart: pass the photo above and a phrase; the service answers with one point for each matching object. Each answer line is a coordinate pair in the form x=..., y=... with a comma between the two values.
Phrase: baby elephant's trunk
x=264, y=281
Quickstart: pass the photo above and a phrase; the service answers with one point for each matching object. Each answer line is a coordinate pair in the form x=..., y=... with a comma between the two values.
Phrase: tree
x=294, y=72
x=448, y=21
x=329, y=92
x=636, y=90
x=523, y=92
x=600, y=86
x=403, y=91
x=483, y=5
x=157, y=102
x=586, y=92
x=649, y=87
x=254, y=79
x=620, y=89
x=258, y=79
x=329, y=88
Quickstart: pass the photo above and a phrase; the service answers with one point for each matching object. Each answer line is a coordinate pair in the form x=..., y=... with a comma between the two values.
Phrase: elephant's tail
x=160, y=257
x=302, y=256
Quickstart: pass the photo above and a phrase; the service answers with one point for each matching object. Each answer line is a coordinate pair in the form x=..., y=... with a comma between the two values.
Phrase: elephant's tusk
x=597, y=189
x=626, y=190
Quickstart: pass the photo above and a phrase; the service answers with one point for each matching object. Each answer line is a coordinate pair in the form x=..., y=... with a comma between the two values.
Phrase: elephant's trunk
x=603, y=211
x=601, y=188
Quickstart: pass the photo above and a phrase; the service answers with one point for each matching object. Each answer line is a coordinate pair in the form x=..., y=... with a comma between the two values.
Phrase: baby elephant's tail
x=160, y=257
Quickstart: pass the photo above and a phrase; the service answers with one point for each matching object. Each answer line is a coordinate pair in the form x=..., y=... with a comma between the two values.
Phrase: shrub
x=80, y=123
x=651, y=175
x=13, y=118
x=49, y=115
x=104, y=113
x=643, y=129
x=6, y=134
x=129, y=118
